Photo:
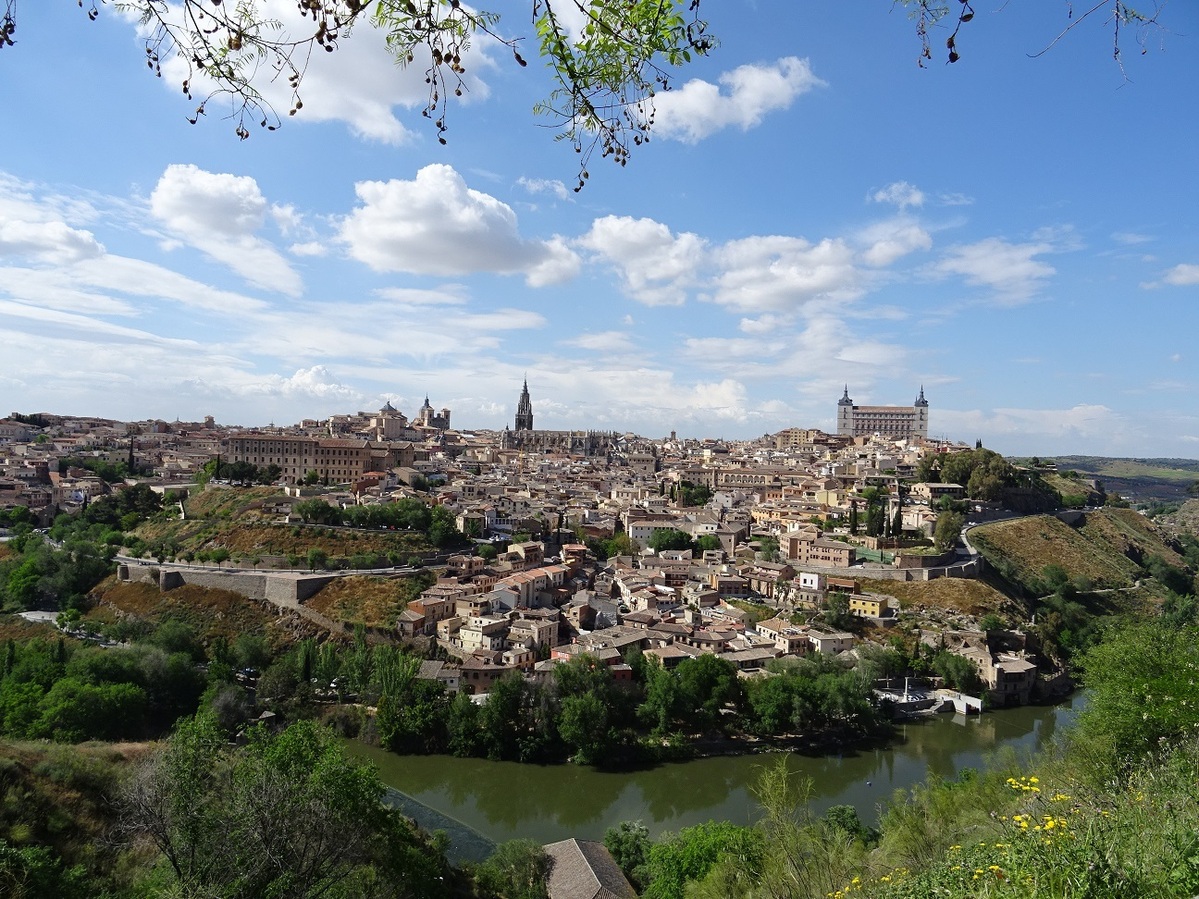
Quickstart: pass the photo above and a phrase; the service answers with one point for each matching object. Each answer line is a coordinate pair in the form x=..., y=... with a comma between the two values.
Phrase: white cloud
x=218, y=215
x=899, y=193
x=316, y=382
x=405, y=296
x=955, y=199
x=55, y=243
x=1129, y=238
x=1182, y=275
x=781, y=274
x=602, y=342
x=700, y=108
x=436, y=225
x=1011, y=270
x=887, y=242
x=763, y=324
x=734, y=351
x=545, y=185
x=1085, y=422
x=657, y=268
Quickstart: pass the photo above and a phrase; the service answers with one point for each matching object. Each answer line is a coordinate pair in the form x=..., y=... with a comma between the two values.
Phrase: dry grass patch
x=973, y=597
x=1028, y=545
x=17, y=629
x=211, y=612
x=375, y=602
x=1130, y=534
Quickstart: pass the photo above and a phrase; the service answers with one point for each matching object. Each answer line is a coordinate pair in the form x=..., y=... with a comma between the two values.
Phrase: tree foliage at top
x=606, y=58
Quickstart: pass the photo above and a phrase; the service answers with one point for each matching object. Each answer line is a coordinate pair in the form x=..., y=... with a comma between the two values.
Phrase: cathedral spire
x=524, y=409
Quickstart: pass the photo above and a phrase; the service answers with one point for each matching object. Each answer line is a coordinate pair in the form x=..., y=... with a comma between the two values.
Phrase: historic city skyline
x=1018, y=235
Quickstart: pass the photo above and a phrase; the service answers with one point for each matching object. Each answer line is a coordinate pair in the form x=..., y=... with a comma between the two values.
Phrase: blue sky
x=1020, y=235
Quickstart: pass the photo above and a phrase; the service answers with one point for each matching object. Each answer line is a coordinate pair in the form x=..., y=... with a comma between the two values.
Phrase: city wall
x=285, y=590
x=288, y=589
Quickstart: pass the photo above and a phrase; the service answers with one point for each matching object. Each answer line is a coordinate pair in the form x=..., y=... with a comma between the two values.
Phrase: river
x=505, y=800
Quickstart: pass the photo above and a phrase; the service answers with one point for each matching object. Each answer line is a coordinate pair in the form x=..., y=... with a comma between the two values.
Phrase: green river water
x=504, y=800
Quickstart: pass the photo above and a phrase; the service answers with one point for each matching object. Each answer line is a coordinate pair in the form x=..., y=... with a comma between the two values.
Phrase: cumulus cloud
x=55, y=243
x=1011, y=270
x=1184, y=274
x=219, y=214
x=753, y=275
x=1084, y=421
x=899, y=193
x=406, y=296
x=436, y=225
x=955, y=199
x=656, y=267
x=742, y=99
x=734, y=350
x=780, y=274
x=316, y=382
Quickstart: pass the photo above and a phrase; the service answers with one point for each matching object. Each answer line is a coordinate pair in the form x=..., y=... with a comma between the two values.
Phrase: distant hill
x=1137, y=480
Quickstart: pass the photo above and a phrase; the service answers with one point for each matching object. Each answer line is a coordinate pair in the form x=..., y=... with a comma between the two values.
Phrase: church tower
x=920, y=407
x=845, y=413
x=524, y=410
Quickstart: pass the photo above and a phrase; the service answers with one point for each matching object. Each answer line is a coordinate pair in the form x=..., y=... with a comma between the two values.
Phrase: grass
x=1014, y=833
x=1130, y=534
x=972, y=597
x=60, y=796
x=247, y=536
x=1028, y=545
x=211, y=612
x=375, y=602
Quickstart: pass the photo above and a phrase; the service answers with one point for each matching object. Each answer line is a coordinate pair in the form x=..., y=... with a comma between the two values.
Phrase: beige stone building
x=335, y=460
x=887, y=421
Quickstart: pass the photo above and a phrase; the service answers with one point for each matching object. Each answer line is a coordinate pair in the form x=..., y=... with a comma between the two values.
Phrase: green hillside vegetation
x=1110, y=549
x=1131, y=535
x=1181, y=470
x=57, y=830
x=1074, y=490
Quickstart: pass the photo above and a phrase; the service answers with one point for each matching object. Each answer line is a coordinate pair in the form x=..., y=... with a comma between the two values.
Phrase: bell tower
x=845, y=423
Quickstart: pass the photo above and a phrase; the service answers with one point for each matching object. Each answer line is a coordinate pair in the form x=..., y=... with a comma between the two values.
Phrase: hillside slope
x=1106, y=548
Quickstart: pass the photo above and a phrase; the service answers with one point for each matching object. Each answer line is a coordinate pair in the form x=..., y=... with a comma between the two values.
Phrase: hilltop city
x=596, y=542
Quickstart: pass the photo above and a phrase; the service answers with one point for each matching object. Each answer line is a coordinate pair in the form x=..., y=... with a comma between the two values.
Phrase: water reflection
x=505, y=800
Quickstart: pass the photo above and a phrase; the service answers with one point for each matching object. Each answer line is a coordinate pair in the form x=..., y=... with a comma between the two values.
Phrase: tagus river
x=506, y=800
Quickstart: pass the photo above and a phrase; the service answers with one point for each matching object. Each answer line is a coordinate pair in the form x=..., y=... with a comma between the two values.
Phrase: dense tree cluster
x=984, y=473
x=62, y=691
x=437, y=522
